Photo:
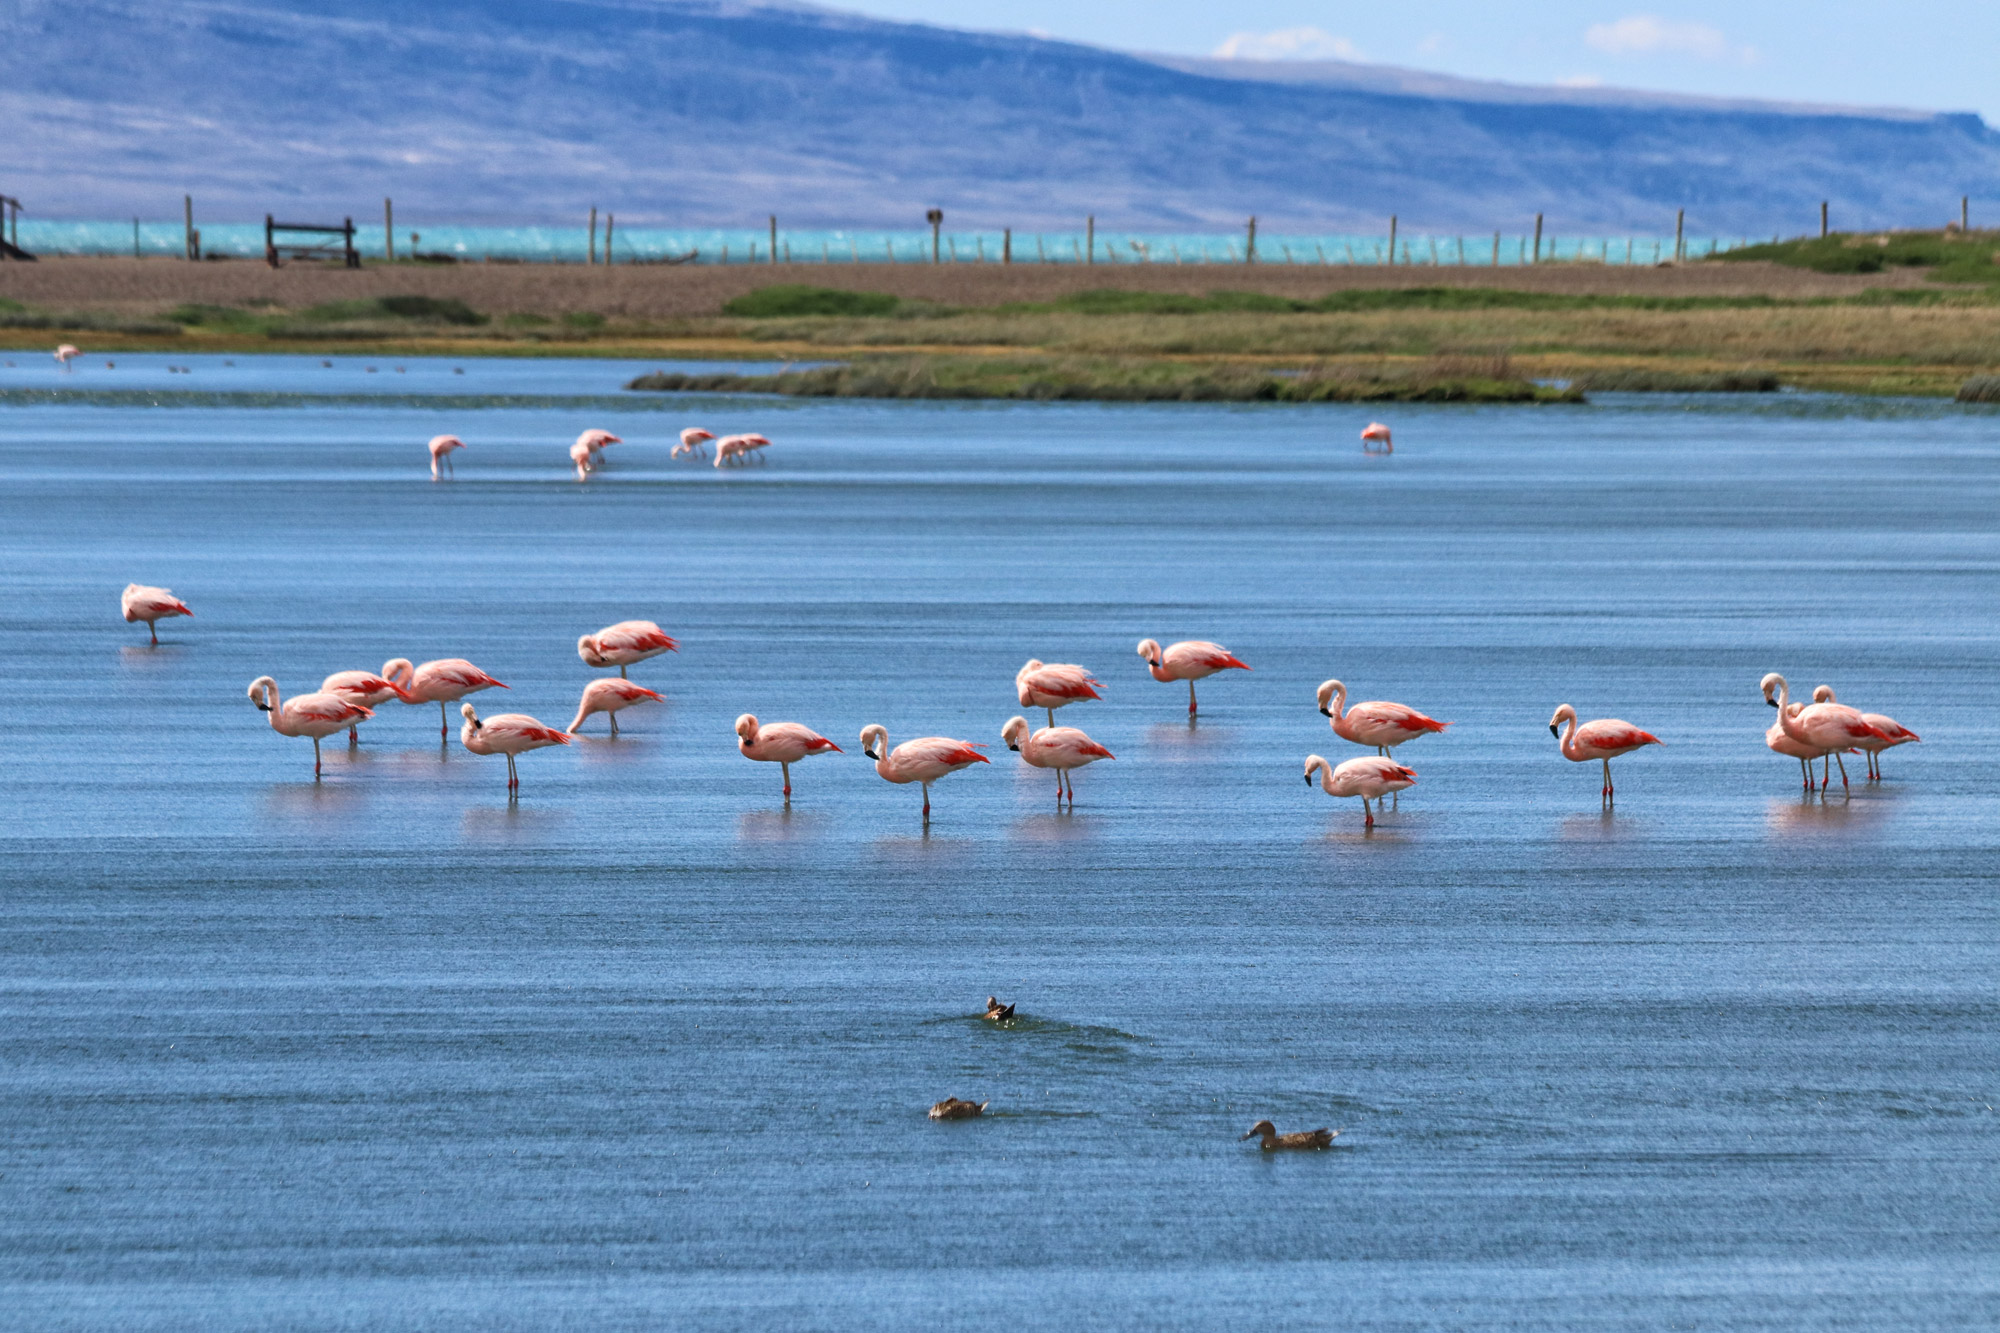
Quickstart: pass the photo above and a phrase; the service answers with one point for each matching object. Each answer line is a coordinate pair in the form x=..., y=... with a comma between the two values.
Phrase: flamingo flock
x=586, y=455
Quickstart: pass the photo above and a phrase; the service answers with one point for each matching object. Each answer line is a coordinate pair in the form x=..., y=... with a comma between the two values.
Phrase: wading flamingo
x=441, y=682
x=1377, y=433
x=67, y=353
x=1833, y=728
x=1606, y=739
x=1371, y=777
x=1064, y=749
x=1374, y=722
x=1779, y=743
x=607, y=696
x=1897, y=733
x=593, y=441
x=314, y=715
x=739, y=449
x=441, y=447
x=506, y=733
x=627, y=643
x=364, y=688
x=924, y=760
x=780, y=743
x=694, y=443
x=1191, y=660
x=583, y=460
x=140, y=602
x=1051, y=685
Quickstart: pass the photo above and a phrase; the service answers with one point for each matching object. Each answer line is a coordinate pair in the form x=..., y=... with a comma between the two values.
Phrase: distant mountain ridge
x=702, y=112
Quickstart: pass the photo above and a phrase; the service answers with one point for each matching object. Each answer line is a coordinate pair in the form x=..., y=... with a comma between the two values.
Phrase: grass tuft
x=797, y=299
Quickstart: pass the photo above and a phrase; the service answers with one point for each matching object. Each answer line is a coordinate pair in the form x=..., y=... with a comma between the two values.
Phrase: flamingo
x=694, y=442
x=593, y=441
x=1051, y=685
x=1779, y=743
x=506, y=733
x=585, y=462
x=1062, y=748
x=364, y=688
x=624, y=644
x=924, y=760
x=1606, y=739
x=1192, y=660
x=607, y=696
x=781, y=743
x=739, y=448
x=1829, y=726
x=67, y=353
x=441, y=447
x=1377, y=433
x=1371, y=777
x=1382, y=725
x=441, y=682
x=315, y=715
x=151, y=605
x=1898, y=733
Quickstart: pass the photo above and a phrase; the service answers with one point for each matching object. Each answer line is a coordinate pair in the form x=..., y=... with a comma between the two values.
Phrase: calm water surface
x=647, y=1049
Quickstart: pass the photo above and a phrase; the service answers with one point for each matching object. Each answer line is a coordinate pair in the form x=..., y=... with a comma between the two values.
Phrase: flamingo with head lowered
x=1190, y=660
x=316, y=715
x=1831, y=727
x=1606, y=739
x=1896, y=732
x=694, y=443
x=608, y=695
x=444, y=681
x=67, y=353
x=780, y=743
x=740, y=449
x=1374, y=721
x=1371, y=777
x=1376, y=433
x=924, y=760
x=364, y=688
x=441, y=448
x=627, y=643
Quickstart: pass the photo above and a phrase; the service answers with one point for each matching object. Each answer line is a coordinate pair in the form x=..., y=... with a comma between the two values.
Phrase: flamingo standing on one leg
x=364, y=688
x=627, y=643
x=1779, y=743
x=67, y=353
x=1377, y=433
x=781, y=743
x=694, y=443
x=924, y=760
x=1606, y=739
x=506, y=733
x=607, y=696
x=1190, y=660
x=739, y=449
x=151, y=605
x=316, y=715
x=1051, y=685
x=444, y=681
x=1897, y=733
x=1373, y=722
x=1831, y=727
x=1371, y=777
x=441, y=447
x=1064, y=749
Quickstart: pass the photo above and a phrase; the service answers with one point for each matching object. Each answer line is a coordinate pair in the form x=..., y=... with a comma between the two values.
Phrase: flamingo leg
x=612, y=718
x=444, y=723
x=786, y=769
x=1052, y=716
x=1825, y=769
x=622, y=675
x=1843, y=771
x=513, y=777
x=315, y=758
x=927, y=802
x=153, y=629
x=1190, y=698
x=1367, y=815
x=1607, y=779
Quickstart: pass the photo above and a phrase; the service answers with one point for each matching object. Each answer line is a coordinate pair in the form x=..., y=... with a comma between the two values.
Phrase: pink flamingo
x=1064, y=749
x=607, y=696
x=441, y=682
x=1375, y=722
x=441, y=447
x=314, y=715
x=1829, y=726
x=364, y=688
x=506, y=733
x=67, y=353
x=1191, y=660
x=1377, y=433
x=739, y=449
x=593, y=441
x=1779, y=743
x=1606, y=739
x=585, y=461
x=694, y=441
x=627, y=643
x=1051, y=685
x=924, y=760
x=781, y=743
x=1897, y=733
x=1371, y=777
x=151, y=605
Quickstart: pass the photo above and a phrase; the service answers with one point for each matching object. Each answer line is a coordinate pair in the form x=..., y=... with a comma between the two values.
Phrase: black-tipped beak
x=1326, y=712
x=1015, y=748
x=263, y=708
x=1555, y=731
x=1309, y=782
x=1769, y=700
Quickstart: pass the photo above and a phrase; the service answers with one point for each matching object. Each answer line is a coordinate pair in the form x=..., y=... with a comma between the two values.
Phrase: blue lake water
x=645, y=1049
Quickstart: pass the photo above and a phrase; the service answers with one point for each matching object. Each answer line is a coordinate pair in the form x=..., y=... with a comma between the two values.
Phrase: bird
x=780, y=743
x=67, y=353
x=441, y=447
x=1832, y=727
x=364, y=688
x=1377, y=433
x=627, y=643
x=739, y=449
x=998, y=1012
x=1779, y=743
x=1052, y=685
x=1374, y=722
x=694, y=442
x=441, y=682
x=1064, y=749
x=607, y=695
x=316, y=715
x=924, y=760
x=583, y=459
x=1192, y=660
x=1370, y=777
x=1606, y=739
x=951, y=1108
x=594, y=441
x=1305, y=1140
x=506, y=733
x=1897, y=733
x=151, y=605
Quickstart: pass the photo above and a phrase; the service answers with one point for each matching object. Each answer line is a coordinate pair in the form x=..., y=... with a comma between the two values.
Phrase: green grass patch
x=415, y=309
x=1952, y=256
x=584, y=319
x=793, y=299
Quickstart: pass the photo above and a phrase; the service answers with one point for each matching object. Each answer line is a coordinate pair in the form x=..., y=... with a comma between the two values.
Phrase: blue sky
x=1937, y=54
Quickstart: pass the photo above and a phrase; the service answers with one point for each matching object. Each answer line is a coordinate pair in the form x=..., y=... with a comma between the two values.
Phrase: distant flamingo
x=780, y=743
x=1779, y=743
x=595, y=440
x=314, y=715
x=1606, y=739
x=739, y=449
x=441, y=682
x=1062, y=748
x=1377, y=433
x=151, y=605
x=607, y=696
x=506, y=733
x=1370, y=777
x=66, y=354
x=924, y=760
x=1897, y=733
x=694, y=441
x=1191, y=660
x=1374, y=722
x=583, y=459
x=1832, y=727
x=1052, y=685
x=627, y=643
x=441, y=447
x=364, y=688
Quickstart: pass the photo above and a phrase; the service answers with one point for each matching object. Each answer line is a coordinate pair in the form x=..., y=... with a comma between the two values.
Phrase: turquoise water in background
x=647, y=1049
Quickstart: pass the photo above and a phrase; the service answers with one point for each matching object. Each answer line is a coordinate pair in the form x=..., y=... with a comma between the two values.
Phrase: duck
x=1305, y=1139
x=952, y=1108
x=998, y=1012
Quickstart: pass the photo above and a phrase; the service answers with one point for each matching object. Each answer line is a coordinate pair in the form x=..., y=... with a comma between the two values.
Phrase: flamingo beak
x=1015, y=748
x=1769, y=700
x=263, y=708
x=1309, y=782
x=1326, y=712
x=1554, y=731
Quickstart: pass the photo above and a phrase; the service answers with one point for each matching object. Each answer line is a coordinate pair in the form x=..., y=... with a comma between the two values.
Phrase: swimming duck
x=998, y=1012
x=951, y=1108
x=1274, y=1141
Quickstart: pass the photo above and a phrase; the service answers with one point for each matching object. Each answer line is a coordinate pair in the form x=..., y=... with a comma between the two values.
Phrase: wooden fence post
x=774, y=241
x=187, y=204
x=388, y=229
x=1680, y=234
x=593, y=233
x=1007, y=245
x=1538, y=238
x=608, y=220
x=1090, y=239
x=936, y=218
x=1965, y=212
x=1392, y=238
x=1250, y=242
x=1822, y=219
x=270, y=243
x=353, y=256
x=1496, y=249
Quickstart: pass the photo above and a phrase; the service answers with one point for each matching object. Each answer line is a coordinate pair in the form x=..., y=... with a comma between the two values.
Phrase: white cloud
x=1646, y=34
x=1580, y=81
x=1288, y=44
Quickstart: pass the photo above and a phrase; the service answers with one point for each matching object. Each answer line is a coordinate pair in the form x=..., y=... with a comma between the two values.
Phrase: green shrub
x=444, y=310
x=788, y=299
x=584, y=319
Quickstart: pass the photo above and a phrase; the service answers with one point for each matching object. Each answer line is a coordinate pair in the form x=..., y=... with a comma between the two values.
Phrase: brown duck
x=1305, y=1139
x=951, y=1108
x=998, y=1012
